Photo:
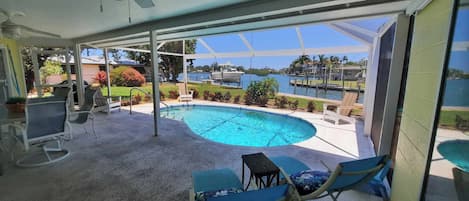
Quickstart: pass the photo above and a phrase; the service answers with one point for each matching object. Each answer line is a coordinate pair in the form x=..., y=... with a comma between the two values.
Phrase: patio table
x=456, y=152
x=260, y=167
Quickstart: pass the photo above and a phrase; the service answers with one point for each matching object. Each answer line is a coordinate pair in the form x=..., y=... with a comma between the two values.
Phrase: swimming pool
x=237, y=126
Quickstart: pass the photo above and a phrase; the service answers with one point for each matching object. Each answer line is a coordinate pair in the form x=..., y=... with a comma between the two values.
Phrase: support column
x=108, y=78
x=370, y=83
x=394, y=84
x=79, y=75
x=37, y=75
x=156, y=81
x=184, y=64
x=69, y=77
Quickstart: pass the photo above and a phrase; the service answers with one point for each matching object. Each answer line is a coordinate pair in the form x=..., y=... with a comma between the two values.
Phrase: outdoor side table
x=260, y=168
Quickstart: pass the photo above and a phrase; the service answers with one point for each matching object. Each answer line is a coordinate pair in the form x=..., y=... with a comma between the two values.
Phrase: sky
x=460, y=59
x=314, y=36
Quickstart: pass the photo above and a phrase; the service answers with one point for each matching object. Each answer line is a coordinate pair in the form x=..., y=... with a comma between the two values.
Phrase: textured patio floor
x=128, y=163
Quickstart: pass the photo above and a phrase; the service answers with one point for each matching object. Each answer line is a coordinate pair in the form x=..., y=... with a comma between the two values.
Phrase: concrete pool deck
x=127, y=162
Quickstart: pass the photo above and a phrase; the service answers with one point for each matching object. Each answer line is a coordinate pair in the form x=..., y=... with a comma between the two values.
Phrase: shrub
x=257, y=93
x=206, y=95
x=311, y=106
x=227, y=96
x=162, y=96
x=218, y=96
x=195, y=93
x=281, y=102
x=293, y=104
x=236, y=99
x=137, y=99
x=115, y=75
x=101, y=78
x=132, y=78
x=126, y=76
x=173, y=94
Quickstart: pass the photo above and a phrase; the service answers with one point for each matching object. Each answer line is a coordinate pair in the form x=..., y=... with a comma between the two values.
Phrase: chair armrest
x=325, y=105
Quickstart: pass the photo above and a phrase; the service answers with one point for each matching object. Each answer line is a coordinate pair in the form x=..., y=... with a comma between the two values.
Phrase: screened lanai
x=360, y=28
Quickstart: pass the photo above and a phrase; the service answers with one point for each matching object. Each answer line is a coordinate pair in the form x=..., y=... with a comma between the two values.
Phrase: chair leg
x=92, y=125
x=22, y=162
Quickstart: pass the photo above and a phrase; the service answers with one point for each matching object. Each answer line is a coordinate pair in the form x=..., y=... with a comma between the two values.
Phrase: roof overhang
x=249, y=16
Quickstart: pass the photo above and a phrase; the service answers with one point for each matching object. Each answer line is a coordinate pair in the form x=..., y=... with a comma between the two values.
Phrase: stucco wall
x=12, y=45
x=426, y=66
x=89, y=72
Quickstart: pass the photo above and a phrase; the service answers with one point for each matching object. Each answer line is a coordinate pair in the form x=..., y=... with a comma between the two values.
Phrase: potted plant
x=15, y=104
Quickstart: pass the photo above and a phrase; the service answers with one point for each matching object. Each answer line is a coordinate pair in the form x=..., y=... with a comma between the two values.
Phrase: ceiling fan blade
x=145, y=3
x=40, y=32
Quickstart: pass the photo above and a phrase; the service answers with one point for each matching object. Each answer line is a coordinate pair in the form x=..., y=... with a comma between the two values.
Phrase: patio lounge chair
x=46, y=122
x=85, y=112
x=184, y=95
x=224, y=185
x=461, y=182
x=342, y=111
x=106, y=103
x=346, y=176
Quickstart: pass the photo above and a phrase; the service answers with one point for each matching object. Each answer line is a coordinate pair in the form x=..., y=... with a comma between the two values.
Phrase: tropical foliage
x=258, y=93
x=50, y=68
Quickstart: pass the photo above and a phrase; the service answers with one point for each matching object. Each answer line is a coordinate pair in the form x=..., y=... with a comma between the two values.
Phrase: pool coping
x=345, y=139
x=248, y=109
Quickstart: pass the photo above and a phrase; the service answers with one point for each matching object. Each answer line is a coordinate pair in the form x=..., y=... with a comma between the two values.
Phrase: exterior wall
x=431, y=31
x=89, y=72
x=14, y=48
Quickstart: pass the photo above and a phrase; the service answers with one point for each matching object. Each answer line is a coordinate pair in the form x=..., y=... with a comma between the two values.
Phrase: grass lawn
x=124, y=92
x=448, y=118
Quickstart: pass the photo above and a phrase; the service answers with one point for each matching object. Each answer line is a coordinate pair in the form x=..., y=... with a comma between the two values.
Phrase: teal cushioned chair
x=346, y=176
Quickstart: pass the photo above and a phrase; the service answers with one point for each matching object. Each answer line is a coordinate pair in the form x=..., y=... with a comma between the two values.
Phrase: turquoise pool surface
x=236, y=126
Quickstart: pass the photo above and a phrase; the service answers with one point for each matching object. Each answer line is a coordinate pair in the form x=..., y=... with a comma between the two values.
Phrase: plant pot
x=15, y=108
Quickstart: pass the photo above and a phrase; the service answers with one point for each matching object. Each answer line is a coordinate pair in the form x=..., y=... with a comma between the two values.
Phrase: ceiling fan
x=12, y=30
x=141, y=3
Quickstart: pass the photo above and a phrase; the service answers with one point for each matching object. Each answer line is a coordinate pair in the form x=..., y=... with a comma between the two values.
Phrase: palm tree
x=272, y=86
x=321, y=64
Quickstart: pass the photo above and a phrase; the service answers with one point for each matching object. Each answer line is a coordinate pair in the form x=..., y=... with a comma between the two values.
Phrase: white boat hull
x=227, y=76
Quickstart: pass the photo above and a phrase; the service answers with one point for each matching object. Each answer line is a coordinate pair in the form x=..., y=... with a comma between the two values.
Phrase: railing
x=167, y=108
x=147, y=93
x=139, y=89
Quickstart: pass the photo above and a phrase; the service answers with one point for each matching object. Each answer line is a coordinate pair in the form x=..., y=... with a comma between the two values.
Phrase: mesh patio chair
x=106, y=103
x=461, y=182
x=46, y=122
x=85, y=113
x=346, y=176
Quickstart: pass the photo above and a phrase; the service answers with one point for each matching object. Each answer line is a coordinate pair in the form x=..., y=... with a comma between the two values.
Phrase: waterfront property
x=145, y=157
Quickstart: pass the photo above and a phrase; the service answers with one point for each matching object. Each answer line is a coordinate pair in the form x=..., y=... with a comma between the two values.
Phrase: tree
x=173, y=65
x=50, y=68
x=170, y=66
x=299, y=63
x=116, y=54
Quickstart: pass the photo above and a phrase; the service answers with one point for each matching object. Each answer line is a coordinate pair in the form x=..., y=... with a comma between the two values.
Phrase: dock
x=335, y=87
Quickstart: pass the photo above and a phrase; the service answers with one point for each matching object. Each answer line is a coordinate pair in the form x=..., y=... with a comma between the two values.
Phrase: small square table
x=260, y=167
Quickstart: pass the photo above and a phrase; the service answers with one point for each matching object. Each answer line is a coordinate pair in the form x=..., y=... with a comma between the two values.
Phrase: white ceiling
x=75, y=18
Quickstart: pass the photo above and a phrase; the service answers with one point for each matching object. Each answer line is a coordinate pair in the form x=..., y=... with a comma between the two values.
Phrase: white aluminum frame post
x=108, y=79
x=156, y=80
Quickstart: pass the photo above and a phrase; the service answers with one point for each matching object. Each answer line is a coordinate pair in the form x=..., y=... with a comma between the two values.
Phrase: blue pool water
x=243, y=127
